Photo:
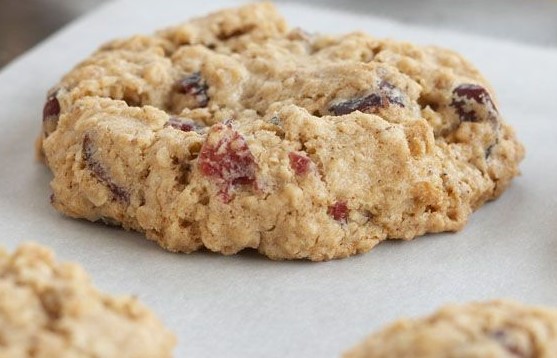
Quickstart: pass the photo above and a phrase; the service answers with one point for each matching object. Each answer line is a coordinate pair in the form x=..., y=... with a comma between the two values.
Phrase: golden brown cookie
x=233, y=131
x=50, y=309
x=496, y=329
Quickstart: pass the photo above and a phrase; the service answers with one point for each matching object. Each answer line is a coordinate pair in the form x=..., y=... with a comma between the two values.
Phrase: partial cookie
x=50, y=309
x=232, y=131
x=496, y=329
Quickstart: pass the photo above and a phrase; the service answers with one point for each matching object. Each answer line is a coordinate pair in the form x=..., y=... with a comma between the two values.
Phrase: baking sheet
x=249, y=306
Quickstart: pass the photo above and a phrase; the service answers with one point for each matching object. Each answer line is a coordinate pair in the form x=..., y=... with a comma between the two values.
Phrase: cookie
x=496, y=329
x=50, y=309
x=233, y=131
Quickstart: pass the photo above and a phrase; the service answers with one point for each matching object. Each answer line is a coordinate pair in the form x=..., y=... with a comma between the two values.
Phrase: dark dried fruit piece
x=473, y=103
x=51, y=113
x=51, y=107
x=505, y=341
x=299, y=163
x=370, y=103
x=226, y=159
x=392, y=93
x=339, y=211
x=489, y=150
x=386, y=95
x=185, y=125
x=194, y=85
x=225, y=35
x=98, y=170
x=276, y=121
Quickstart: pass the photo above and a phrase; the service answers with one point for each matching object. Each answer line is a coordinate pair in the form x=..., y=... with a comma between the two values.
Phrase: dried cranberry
x=507, y=343
x=473, y=103
x=299, y=163
x=194, y=85
x=226, y=158
x=51, y=108
x=51, y=113
x=98, y=170
x=185, y=125
x=339, y=211
x=386, y=95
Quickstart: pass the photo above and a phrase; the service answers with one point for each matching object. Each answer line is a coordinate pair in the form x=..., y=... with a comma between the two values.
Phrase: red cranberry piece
x=185, y=125
x=299, y=163
x=51, y=113
x=226, y=159
x=339, y=211
x=51, y=108
x=386, y=95
x=506, y=342
x=472, y=91
x=100, y=172
x=194, y=85
x=473, y=103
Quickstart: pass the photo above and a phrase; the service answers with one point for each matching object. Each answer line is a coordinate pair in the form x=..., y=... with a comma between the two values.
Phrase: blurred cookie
x=50, y=309
x=496, y=329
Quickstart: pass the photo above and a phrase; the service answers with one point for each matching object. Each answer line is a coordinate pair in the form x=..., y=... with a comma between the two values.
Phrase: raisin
x=473, y=103
x=99, y=171
x=226, y=159
x=51, y=113
x=194, y=85
x=386, y=95
x=185, y=125
x=299, y=163
x=370, y=103
x=339, y=211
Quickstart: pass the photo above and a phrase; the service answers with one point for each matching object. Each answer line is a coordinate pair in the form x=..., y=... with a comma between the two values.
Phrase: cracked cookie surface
x=50, y=309
x=233, y=131
x=496, y=329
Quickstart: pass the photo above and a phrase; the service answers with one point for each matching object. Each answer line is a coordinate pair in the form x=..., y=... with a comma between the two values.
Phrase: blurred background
x=23, y=23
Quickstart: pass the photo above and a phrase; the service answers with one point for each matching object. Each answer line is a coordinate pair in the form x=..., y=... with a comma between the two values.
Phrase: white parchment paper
x=248, y=306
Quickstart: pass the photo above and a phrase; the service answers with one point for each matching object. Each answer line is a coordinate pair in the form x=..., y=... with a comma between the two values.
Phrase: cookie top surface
x=232, y=131
x=50, y=309
x=496, y=329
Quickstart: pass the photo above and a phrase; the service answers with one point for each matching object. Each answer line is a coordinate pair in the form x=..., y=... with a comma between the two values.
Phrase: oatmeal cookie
x=50, y=309
x=233, y=131
x=497, y=329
